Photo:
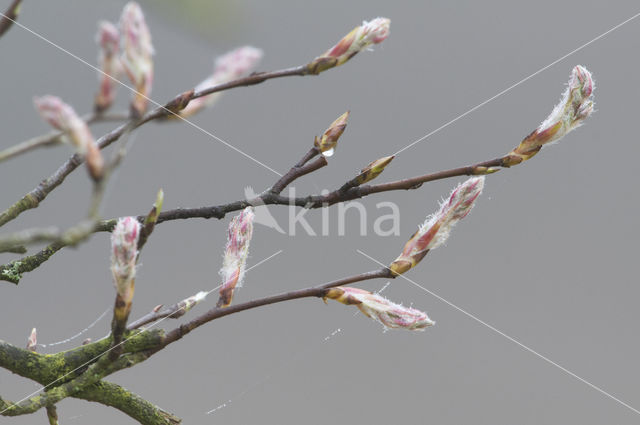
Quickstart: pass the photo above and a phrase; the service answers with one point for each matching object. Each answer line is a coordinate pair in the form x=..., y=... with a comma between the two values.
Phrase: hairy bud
x=574, y=107
x=124, y=253
x=137, y=52
x=380, y=309
x=32, y=341
x=188, y=303
x=360, y=38
x=235, y=256
x=435, y=230
x=228, y=67
x=108, y=39
x=326, y=144
x=62, y=117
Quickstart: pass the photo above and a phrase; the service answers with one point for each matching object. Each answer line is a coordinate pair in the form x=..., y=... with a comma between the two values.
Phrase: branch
x=94, y=373
x=131, y=404
x=316, y=291
x=12, y=272
x=38, y=194
x=299, y=170
x=54, y=137
x=52, y=415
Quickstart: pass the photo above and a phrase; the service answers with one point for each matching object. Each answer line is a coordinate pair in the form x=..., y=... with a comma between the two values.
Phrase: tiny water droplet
x=329, y=152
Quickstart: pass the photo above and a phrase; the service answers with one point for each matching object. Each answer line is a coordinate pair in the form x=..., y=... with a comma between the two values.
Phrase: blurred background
x=548, y=256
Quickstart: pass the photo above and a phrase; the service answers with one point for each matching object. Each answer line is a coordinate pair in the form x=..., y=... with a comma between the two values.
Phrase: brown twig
x=298, y=171
x=54, y=137
x=38, y=194
x=11, y=272
x=315, y=291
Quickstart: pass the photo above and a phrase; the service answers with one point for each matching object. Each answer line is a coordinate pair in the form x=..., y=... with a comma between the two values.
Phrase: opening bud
x=137, y=52
x=380, y=309
x=360, y=38
x=228, y=67
x=124, y=254
x=435, y=230
x=32, y=341
x=64, y=118
x=108, y=39
x=235, y=256
x=575, y=106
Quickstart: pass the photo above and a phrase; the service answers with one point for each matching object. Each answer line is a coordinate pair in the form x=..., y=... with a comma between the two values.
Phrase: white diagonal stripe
x=122, y=342
x=197, y=127
x=515, y=341
x=480, y=105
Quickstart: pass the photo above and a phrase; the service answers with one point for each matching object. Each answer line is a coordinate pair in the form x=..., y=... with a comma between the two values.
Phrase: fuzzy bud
x=188, y=303
x=137, y=52
x=435, y=230
x=228, y=67
x=574, y=107
x=32, y=341
x=360, y=38
x=235, y=256
x=108, y=39
x=62, y=117
x=326, y=144
x=124, y=253
x=380, y=309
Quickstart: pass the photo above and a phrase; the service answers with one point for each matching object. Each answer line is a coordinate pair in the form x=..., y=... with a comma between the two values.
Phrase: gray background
x=548, y=256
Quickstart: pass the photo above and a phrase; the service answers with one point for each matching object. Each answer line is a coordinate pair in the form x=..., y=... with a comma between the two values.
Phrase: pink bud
x=435, y=230
x=124, y=253
x=108, y=38
x=32, y=342
x=62, y=117
x=228, y=67
x=574, y=107
x=137, y=52
x=235, y=257
x=360, y=38
x=380, y=309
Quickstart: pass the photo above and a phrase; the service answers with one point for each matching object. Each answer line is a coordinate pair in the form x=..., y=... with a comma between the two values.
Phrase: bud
x=107, y=38
x=372, y=170
x=124, y=253
x=188, y=303
x=137, y=52
x=62, y=117
x=574, y=107
x=327, y=143
x=227, y=67
x=360, y=38
x=32, y=342
x=435, y=230
x=380, y=309
x=235, y=256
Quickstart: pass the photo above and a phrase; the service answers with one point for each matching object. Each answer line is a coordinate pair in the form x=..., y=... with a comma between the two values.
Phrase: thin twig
x=38, y=194
x=316, y=291
x=11, y=272
x=54, y=137
x=296, y=172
